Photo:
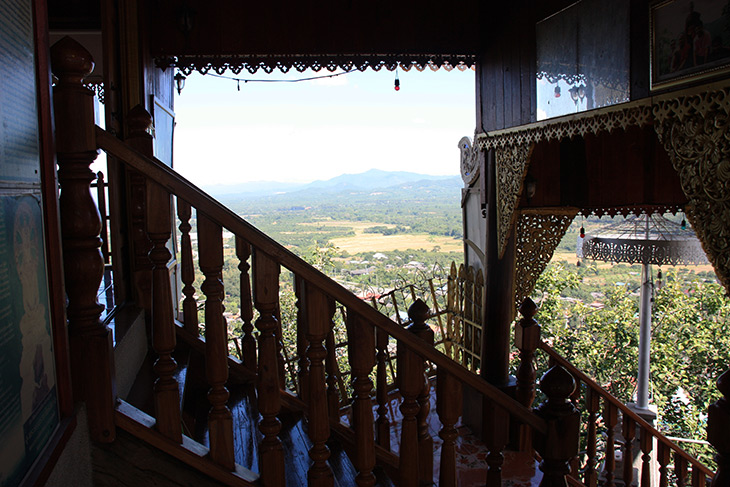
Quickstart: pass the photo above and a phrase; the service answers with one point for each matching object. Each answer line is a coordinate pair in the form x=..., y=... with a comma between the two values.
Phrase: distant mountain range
x=372, y=180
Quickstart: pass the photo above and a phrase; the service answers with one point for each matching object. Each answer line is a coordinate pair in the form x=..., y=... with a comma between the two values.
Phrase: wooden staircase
x=235, y=420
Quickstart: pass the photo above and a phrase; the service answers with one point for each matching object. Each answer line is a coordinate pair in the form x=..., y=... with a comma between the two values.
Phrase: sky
x=305, y=131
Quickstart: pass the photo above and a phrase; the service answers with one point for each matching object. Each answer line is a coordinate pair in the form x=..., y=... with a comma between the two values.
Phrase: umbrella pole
x=645, y=305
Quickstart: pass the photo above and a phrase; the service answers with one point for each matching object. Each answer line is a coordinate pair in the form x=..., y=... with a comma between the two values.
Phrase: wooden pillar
x=418, y=312
x=266, y=298
x=318, y=326
x=718, y=431
x=448, y=406
x=92, y=356
x=248, y=342
x=187, y=268
x=361, y=352
x=560, y=444
x=499, y=291
x=220, y=422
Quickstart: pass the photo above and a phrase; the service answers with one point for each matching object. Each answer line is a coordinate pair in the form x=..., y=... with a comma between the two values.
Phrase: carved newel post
x=90, y=340
x=560, y=444
x=718, y=431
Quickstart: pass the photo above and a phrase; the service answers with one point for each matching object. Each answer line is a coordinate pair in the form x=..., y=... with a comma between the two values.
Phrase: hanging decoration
x=397, y=81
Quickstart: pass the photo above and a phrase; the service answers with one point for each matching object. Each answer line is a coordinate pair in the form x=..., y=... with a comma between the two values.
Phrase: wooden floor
x=519, y=470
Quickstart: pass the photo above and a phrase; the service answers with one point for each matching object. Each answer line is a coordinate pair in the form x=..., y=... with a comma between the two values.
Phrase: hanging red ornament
x=582, y=232
x=557, y=92
x=397, y=81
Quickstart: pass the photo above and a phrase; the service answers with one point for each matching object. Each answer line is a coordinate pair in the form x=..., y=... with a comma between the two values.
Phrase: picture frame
x=690, y=40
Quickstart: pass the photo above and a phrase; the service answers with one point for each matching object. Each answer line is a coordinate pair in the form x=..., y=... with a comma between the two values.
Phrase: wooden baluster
x=303, y=373
x=280, y=361
x=560, y=444
x=92, y=356
x=167, y=391
x=266, y=298
x=663, y=455
x=628, y=431
x=361, y=351
x=220, y=422
x=646, y=444
x=496, y=427
x=449, y=408
x=382, y=430
x=610, y=416
x=680, y=470
x=718, y=430
x=419, y=312
x=248, y=342
x=319, y=323
x=187, y=268
x=592, y=405
x=698, y=478
x=104, y=215
x=410, y=384
x=333, y=396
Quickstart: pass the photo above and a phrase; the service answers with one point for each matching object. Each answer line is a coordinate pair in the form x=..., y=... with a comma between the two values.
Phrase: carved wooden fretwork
x=511, y=166
x=468, y=163
x=695, y=131
x=346, y=62
x=596, y=121
x=538, y=234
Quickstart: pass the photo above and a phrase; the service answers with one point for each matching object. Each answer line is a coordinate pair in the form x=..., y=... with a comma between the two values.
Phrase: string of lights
x=180, y=79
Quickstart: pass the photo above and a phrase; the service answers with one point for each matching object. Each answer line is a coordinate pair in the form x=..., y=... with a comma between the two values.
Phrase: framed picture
x=690, y=39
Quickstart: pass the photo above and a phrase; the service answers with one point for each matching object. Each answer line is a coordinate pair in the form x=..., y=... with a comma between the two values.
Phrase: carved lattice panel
x=538, y=235
x=695, y=131
x=511, y=166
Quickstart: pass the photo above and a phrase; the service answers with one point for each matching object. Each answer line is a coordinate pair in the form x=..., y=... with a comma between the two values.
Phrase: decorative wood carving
x=538, y=235
x=638, y=113
x=92, y=357
x=511, y=165
x=360, y=62
x=695, y=131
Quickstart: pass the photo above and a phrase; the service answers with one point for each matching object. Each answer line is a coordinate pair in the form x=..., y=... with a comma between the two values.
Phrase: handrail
x=624, y=409
x=178, y=185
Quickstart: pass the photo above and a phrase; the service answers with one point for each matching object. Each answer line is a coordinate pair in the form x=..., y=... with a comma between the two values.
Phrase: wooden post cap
x=557, y=384
x=138, y=120
x=419, y=311
x=70, y=61
x=528, y=309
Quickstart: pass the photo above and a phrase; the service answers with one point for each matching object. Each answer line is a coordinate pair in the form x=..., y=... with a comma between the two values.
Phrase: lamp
x=179, y=82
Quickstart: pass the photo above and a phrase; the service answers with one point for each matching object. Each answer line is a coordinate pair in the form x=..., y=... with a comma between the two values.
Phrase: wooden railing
x=637, y=437
x=261, y=263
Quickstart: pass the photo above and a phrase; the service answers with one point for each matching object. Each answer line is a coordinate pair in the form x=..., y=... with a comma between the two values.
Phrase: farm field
x=375, y=242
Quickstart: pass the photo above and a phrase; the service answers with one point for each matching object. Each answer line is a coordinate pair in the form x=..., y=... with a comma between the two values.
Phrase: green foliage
x=690, y=343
